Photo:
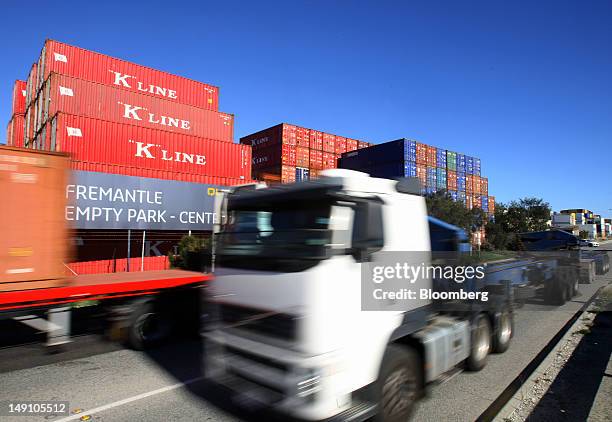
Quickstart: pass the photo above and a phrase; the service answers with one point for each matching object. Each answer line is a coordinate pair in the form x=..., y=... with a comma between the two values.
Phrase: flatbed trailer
x=141, y=308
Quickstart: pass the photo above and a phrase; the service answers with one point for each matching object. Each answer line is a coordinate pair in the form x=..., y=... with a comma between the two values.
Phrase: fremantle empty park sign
x=112, y=201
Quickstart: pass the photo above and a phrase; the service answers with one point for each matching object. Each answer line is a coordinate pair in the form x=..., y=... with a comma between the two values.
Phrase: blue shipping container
x=388, y=152
x=460, y=163
x=453, y=194
x=461, y=183
x=441, y=158
x=469, y=165
x=477, y=166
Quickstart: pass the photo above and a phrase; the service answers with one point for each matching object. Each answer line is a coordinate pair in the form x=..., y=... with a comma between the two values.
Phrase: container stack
x=113, y=116
x=15, y=127
x=287, y=153
x=437, y=168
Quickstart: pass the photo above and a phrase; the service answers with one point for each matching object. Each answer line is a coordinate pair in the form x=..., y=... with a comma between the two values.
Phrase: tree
x=583, y=234
x=193, y=254
x=524, y=215
x=441, y=205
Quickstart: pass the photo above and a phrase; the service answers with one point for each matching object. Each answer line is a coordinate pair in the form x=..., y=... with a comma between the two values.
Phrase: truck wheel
x=503, y=332
x=480, y=345
x=146, y=326
x=399, y=384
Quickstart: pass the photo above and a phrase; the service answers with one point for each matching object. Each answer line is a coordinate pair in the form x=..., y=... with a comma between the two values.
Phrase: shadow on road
x=570, y=397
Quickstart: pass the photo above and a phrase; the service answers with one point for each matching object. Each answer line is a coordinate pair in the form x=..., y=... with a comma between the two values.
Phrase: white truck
x=289, y=331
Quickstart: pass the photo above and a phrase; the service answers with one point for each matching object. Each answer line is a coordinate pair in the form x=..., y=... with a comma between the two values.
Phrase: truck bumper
x=262, y=377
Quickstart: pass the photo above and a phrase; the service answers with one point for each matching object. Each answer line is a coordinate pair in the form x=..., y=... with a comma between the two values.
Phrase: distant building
x=578, y=220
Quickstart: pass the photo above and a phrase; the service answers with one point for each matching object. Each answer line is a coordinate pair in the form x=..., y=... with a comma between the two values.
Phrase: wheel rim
x=483, y=341
x=505, y=328
x=399, y=392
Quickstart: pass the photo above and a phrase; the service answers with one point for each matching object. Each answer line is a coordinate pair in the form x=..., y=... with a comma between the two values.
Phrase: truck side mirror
x=368, y=233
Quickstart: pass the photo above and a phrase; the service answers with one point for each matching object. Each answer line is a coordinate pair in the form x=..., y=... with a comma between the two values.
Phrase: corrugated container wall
x=14, y=131
x=31, y=85
x=76, y=96
x=451, y=160
x=34, y=239
x=57, y=57
x=98, y=141
x=157, y=174
x=19, y=97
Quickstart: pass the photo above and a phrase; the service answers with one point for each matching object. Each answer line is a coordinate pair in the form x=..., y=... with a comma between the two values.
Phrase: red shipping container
x=157, y=174
x=14, y=131
x=340, y=145
x=302, y=156
x=289, y=134
x=57, y=57
x=361, y=144
x=491, y=205
x=316, y=140
x=98, y=141
x=266, y=138
x=19, y=97
x=314, y=173
x=84, y=98
x=351, y=144
x=469, y=201
x=31, y=85
x=431, y=156
x=329, y=160
x=451, y=180
x=421, y=153
x=329, y=144
x=316, y=159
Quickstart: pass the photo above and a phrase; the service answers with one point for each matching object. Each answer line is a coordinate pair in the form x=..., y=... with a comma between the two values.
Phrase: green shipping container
x=451, y=160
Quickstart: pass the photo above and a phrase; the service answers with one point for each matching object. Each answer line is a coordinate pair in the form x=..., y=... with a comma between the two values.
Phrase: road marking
x=128, y=400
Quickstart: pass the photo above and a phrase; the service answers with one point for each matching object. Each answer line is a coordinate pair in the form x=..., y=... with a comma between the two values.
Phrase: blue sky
x=526, y=86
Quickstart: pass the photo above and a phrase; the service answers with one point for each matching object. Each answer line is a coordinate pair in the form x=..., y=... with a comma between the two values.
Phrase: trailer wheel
x=480, y=346
x=399, y=384
x=146, y=327
x=503, y=332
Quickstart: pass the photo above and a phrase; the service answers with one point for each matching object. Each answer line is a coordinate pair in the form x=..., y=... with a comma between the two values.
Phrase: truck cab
x=290, y=331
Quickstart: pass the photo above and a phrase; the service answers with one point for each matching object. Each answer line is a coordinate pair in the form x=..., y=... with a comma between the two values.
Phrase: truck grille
x=282, y=326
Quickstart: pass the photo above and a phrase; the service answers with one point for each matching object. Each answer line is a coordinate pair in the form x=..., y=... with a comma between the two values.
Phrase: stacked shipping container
x=113, y=116
x=15, y=127
x=119, y=117
x=287, y=153
x=437, y=169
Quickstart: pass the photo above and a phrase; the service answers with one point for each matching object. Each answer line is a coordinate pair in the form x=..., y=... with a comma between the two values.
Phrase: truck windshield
x=289, y=237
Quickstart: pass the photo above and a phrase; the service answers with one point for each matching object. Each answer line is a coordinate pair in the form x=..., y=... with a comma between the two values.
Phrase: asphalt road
x=113, y=384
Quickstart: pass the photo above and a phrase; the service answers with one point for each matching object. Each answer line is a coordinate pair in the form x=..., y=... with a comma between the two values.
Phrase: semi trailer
x=38, y=290
x=289, y=329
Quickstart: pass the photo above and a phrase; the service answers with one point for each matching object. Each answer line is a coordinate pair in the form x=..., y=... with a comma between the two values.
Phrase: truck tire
x=146, y=326
x=399, y=384
x=480, y=346
x=503, y=331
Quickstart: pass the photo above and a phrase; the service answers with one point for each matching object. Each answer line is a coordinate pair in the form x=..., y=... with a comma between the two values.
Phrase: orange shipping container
x=302, y=156
x=329, y=144
x=302, y=136
x=469, y=184
x=431, y=156
x=451, y=180
x=421, y=172
x=34, y=241
x=476, y=187
x=484, y=186
x=340, y=145
x=316, y=159
x=329, y=160
x=351, y=144
x=316, y=140
x=421, y=153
